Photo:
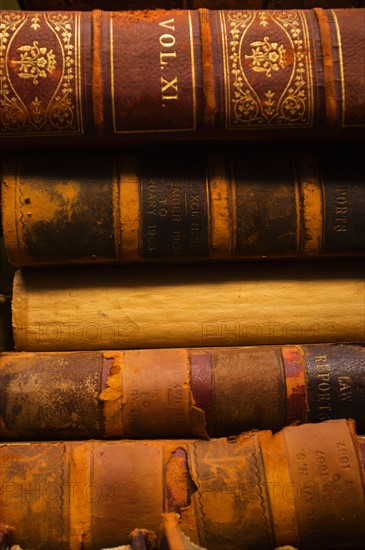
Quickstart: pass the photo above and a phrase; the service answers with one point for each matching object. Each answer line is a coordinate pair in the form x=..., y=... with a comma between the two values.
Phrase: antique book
x=208, y=205
x=111, y=78
x=124, y=307
x=171, y=393
x=303, y=486
x=185, y=4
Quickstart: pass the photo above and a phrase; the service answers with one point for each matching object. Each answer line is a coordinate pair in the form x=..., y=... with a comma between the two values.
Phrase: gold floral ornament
x=267, y=56
x=35, y=62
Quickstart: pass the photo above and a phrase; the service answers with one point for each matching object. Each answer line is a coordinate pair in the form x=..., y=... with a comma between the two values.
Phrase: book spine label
x=334, y=382
x=167, y=47
x=326, y=483
x=180, y=73
x=343, y=223
x=323, y=383
x=174, y=210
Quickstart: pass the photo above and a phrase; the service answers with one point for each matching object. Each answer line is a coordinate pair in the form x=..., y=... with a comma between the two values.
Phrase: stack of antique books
x=183, y=192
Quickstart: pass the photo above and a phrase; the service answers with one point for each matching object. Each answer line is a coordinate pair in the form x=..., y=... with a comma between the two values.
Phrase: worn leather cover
x=178, y=392
x=122, y=77
x=303, y=486
x=119, y=208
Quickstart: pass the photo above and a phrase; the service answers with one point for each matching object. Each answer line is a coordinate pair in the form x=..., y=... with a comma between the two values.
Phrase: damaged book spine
x=208, y=206
x=125, y=307
x=303, y=486
x=171, y=393
x=109, y=78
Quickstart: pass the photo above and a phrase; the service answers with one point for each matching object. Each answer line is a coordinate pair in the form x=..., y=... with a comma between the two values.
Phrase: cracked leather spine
x=107, y=78
x=248, y=489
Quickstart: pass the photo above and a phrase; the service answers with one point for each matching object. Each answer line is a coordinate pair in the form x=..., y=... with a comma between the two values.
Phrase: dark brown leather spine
x=227, y=206
x=178, y=392
x=125, y=77
x=92, y=494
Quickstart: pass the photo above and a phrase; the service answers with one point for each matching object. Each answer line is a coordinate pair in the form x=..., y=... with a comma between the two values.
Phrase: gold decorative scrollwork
x=35, y=62
x=267, y=56
x=12, y=115
x=259, y=105
x=20, y=112
x=61, y=112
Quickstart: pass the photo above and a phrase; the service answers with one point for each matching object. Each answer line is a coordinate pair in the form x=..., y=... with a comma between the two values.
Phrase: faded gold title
x=168, y=56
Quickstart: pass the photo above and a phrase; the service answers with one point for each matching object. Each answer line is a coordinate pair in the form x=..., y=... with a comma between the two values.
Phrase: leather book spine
x=175, y=393
x=59, y=309
x=118, y=208
x=303, y=486
x=104, y=78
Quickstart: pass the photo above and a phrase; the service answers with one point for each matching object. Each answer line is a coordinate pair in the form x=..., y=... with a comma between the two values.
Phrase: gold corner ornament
x=282, y=55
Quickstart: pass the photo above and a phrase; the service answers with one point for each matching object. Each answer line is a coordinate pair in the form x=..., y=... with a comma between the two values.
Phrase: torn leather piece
x=179, y=485
x=111, y=394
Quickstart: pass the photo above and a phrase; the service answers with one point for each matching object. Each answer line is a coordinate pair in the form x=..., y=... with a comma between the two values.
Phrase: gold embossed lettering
x=176, y=203
x=169, y=24
x=323, y=371
x=169, y=85
x=345, y=388
x=165, y=56
x=167, y=40
x=166, y=85
x=341, y=210
x=152, y=238
x=176, y=241
x=151, y=199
